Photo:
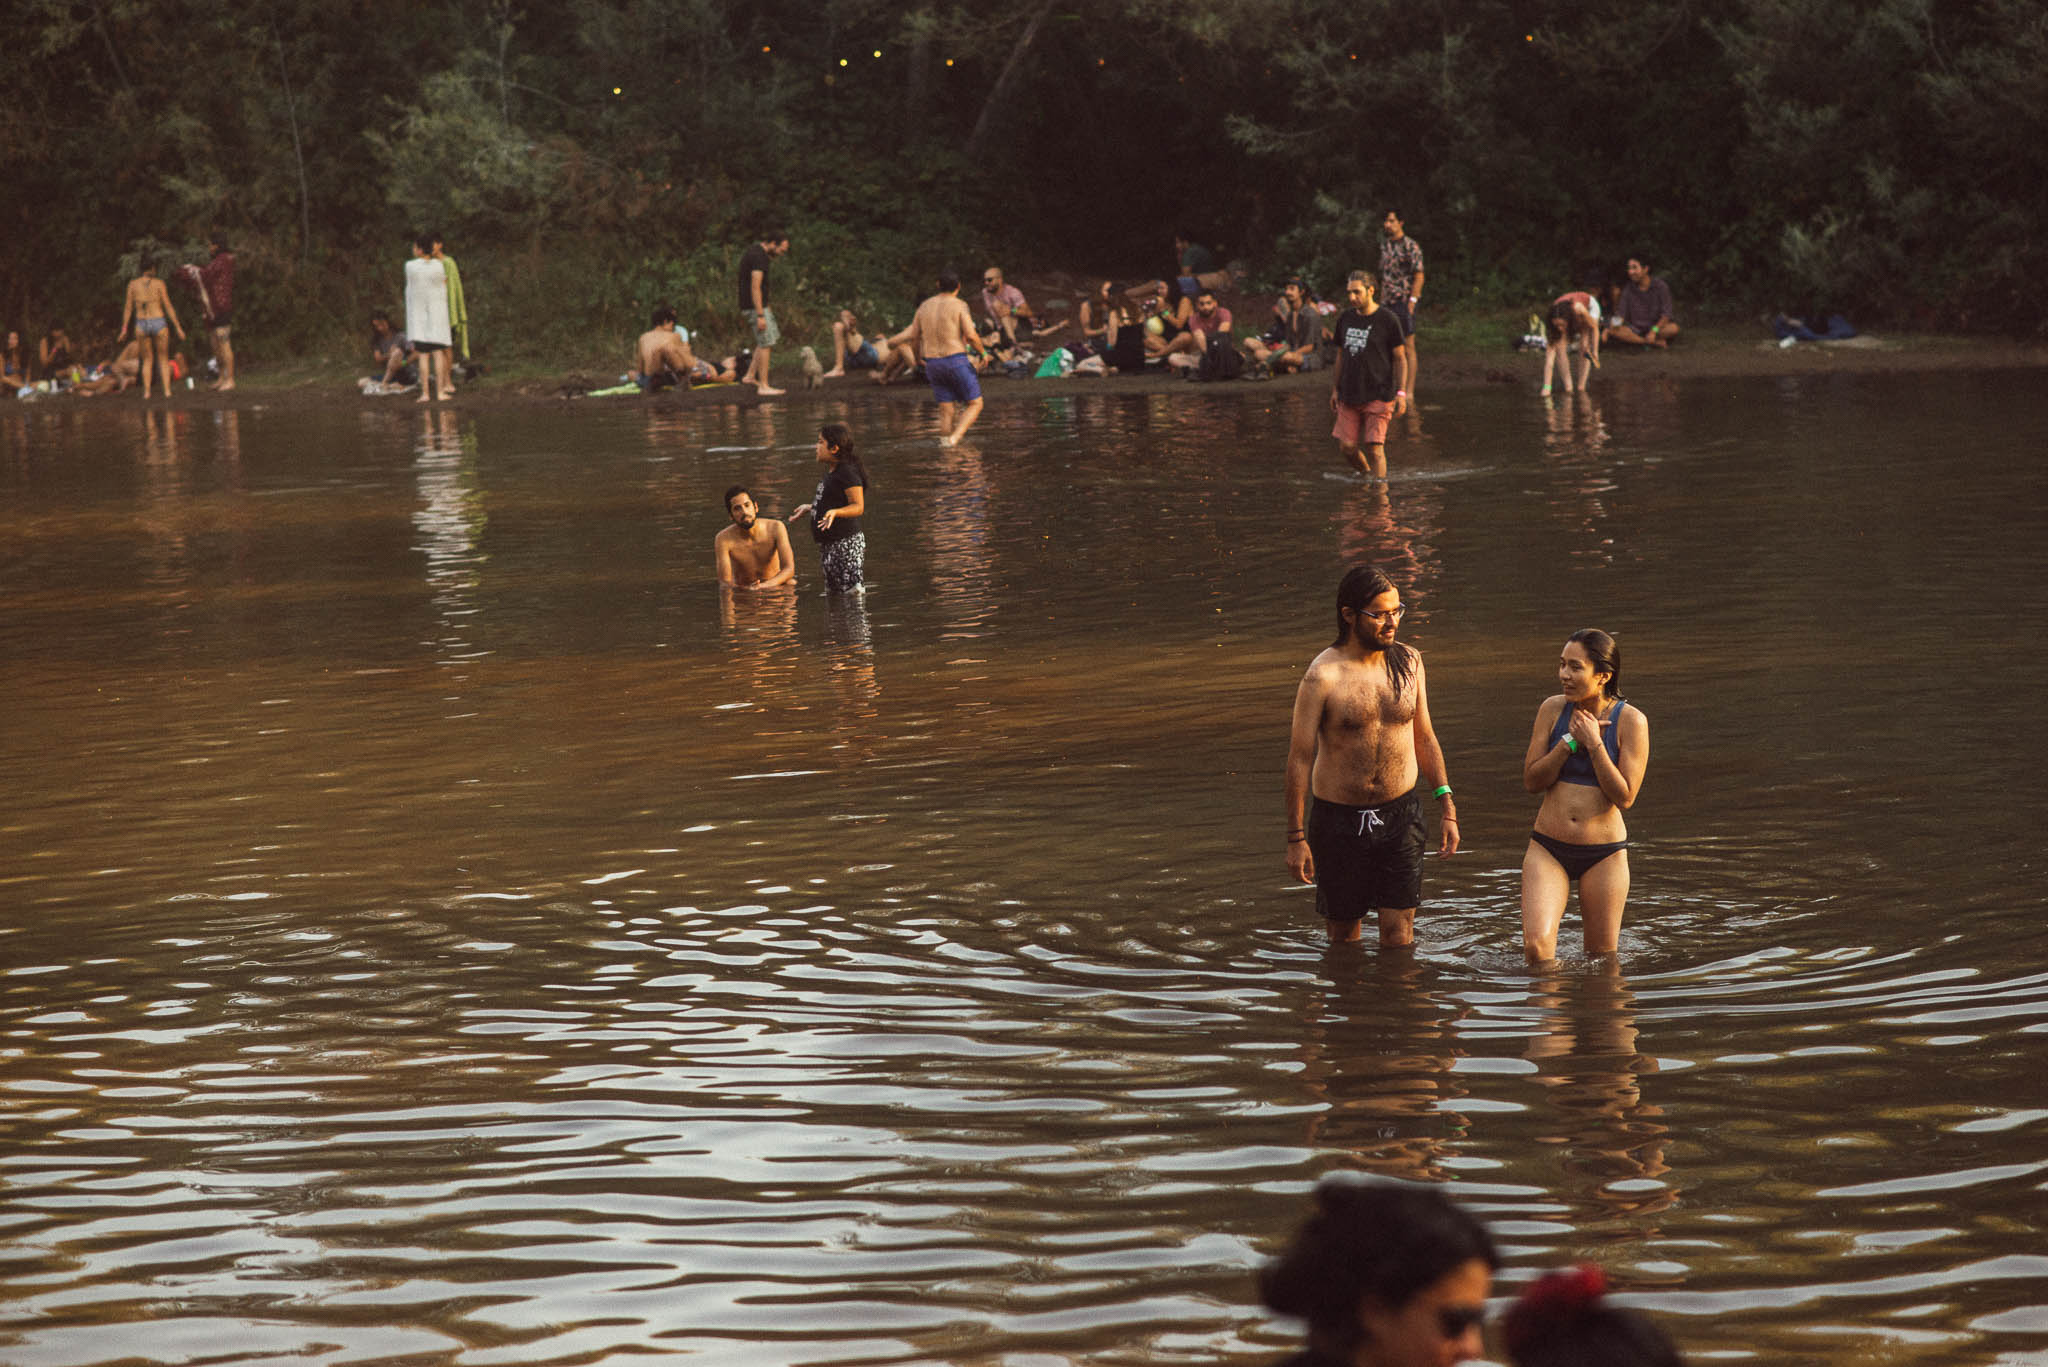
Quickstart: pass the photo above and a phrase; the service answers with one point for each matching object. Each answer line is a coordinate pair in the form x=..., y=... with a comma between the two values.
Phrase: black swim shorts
x=1366, y=857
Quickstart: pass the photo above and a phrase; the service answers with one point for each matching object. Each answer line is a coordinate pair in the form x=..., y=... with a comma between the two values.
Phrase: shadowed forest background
x=588, y=158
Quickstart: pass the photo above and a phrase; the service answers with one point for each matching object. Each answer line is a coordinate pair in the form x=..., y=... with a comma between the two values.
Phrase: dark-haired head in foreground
x=1387, y=1275
x=1563, y=1320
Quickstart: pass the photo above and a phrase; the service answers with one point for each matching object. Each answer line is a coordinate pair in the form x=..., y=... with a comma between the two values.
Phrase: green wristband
x=1442, y=790
x=1571, y=744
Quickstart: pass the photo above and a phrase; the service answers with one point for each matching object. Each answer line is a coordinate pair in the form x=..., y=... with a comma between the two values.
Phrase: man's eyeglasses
x=1382, y=618
x=1456, y=1321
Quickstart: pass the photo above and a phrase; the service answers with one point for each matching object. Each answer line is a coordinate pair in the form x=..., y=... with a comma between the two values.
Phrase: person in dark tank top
x=1587, y=753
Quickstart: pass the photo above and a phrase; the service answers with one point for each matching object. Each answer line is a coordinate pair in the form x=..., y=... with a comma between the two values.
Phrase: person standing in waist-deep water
x=1387, y=1274
x=1587, y=754
x=836, y=510
x=1361, y=738
x=426, y=316
x=1563, y=1320
x=147, y=306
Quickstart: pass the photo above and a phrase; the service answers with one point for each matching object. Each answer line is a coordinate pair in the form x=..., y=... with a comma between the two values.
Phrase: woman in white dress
x=426, y=317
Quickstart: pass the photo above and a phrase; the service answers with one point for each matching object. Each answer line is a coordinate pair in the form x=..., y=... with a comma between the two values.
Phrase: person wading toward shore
x=1586, y=756
x=943, y=332
x=1361, y=738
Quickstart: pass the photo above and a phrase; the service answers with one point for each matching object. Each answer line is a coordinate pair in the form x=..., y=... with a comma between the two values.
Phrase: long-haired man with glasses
x=1363, y=745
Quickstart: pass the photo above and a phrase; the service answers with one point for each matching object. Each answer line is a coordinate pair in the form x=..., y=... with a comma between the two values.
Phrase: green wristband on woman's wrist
x=1571, y=744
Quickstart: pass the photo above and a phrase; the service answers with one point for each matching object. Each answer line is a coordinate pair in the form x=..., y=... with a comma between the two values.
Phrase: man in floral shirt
x=1401, y=286
x=217, y=284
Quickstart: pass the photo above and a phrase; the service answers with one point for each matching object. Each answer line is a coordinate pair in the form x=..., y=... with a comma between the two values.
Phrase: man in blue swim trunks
x=943, y=333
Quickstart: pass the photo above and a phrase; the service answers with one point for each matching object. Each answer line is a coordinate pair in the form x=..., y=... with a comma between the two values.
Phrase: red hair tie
x=1553, y=1302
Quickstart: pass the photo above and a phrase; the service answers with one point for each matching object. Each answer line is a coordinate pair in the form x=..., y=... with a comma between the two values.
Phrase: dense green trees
x=588, y=157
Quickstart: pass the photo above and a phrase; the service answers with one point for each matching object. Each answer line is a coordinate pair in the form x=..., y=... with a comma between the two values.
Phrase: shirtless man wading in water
x=1361, y=738
x=943, y=333
x=751, y=554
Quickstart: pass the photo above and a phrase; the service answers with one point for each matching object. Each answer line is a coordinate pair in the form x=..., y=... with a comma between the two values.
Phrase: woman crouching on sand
x=1586, y=756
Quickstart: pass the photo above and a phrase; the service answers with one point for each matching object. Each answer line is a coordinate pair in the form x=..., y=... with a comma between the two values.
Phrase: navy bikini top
x=1578, y=768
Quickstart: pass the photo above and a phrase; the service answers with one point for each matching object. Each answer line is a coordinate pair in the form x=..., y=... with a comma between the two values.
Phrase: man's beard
x=1374, y=643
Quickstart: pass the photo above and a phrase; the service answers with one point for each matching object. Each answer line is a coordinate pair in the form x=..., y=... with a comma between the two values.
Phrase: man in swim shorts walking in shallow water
x=942, y=333
x=1361, y=739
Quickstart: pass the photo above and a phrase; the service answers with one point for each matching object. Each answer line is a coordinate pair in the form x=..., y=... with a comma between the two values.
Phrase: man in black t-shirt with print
x=1371, y=383
x=753, y=300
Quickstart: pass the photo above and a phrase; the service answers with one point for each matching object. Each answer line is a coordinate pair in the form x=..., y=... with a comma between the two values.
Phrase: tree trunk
x=291, y=110
x=999, y=94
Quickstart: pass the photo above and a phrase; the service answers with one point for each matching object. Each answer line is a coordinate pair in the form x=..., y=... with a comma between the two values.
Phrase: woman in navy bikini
x=1586, y=756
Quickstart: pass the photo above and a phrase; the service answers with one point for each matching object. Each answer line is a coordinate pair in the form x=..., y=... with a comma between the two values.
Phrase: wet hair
x=1358, y=588
x=949, y=280
x=1373, y=1240
x=662, y=314
x=1563, y=1320
x=1604, y=652
x=735, y=492
x=1366, y=278
x=840, y=438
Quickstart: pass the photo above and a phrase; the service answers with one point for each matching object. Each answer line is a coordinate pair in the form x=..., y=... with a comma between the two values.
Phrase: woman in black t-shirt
x=836, y=509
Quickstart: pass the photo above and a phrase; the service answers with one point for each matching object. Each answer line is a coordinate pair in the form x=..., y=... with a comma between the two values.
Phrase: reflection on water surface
x=441, y=928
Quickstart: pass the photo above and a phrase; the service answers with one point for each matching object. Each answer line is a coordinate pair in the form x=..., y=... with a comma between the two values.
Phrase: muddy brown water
x=437, y=928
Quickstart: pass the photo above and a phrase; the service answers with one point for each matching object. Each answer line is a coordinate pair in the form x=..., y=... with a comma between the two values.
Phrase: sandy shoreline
x=1701, y=357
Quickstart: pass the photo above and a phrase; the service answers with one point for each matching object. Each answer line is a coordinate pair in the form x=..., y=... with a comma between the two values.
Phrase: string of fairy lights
x=768, y=50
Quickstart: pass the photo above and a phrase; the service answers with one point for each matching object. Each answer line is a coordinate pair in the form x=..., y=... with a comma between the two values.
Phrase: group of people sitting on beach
x=141, y=348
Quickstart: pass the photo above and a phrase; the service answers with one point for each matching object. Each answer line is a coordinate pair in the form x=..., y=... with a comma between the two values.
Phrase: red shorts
x=1362, y=426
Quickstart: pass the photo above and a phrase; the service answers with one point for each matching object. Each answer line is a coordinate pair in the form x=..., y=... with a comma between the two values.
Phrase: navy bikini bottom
x=1576, y=859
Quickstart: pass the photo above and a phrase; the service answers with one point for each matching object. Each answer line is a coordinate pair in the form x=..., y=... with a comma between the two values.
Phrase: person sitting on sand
x=1101, y=318
x=1006, y=308
x=53, y=353
x=14, y=362
x=115, y=375
x=662, y=356
x=853, y=349
x=1643, y=317
x=391, y=353
x=1295, y=341
x=1169, y=316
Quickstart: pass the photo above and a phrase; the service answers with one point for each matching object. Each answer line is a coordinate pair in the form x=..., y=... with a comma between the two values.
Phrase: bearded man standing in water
x=1361, y=738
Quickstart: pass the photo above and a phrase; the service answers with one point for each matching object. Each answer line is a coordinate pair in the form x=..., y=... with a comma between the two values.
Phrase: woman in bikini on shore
x=1587, y=754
